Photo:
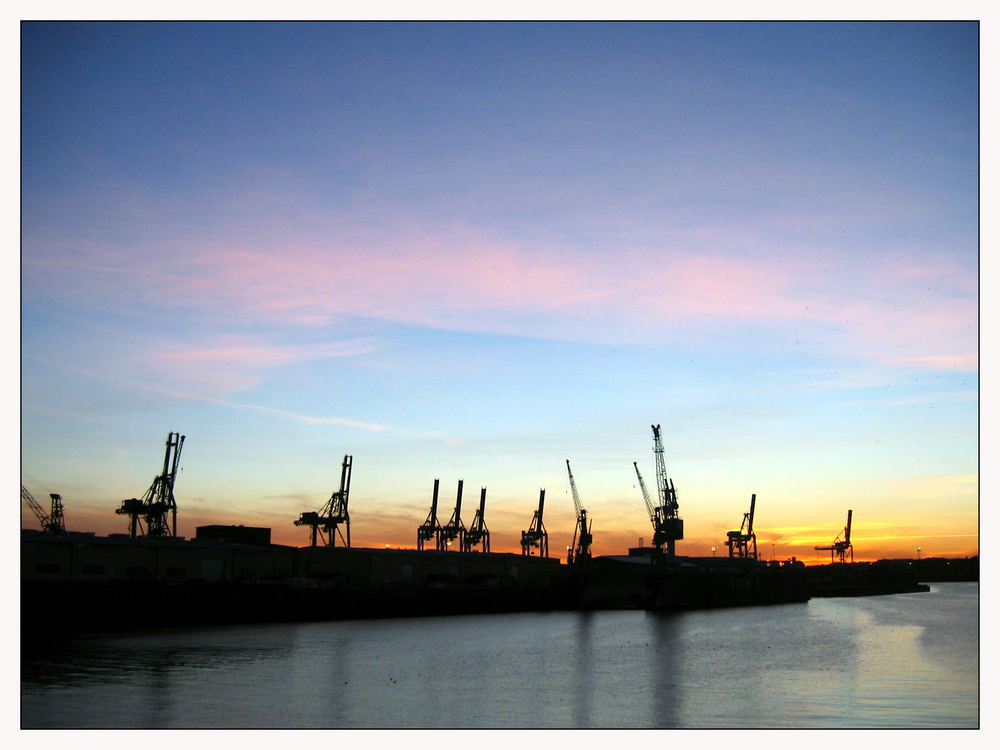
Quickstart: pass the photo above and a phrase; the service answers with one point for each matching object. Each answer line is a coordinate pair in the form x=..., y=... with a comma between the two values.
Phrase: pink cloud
x=263, y=355
x=920, y=313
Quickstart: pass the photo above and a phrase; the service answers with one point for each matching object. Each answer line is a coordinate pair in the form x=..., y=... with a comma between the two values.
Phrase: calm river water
x=903, y=661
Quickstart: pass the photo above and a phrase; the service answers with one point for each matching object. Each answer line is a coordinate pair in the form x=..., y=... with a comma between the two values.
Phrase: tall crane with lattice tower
x=668, y=527
x=743, y=543
x=429, y=529
x=582, y=538
x=52, y=522
x=454, y=529
x=159, y=501
x=536, y=536
x=478, y=534
x=841, y=547
x=326, y=523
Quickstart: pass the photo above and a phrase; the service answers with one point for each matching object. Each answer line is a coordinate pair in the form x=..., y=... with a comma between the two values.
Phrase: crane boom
x=572, y=485
x=582, y=538
x=53, y=520
x=645, y=493
x=43, y=517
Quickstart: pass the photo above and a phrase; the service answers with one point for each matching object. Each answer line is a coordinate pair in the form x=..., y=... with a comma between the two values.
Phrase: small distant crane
x=159, y=500
x=743, y=543
x=429, y=529
x=326, y=523
x=536, y=535
x=582, y=538
x=478, y=534
x=668, y=527
x=53, y=521
x=454, y=529
x=841, y=547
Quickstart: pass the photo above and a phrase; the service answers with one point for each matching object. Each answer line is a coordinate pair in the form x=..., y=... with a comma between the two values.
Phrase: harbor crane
x=454, y=529
x=743, y=543
x=326, y=523
x=536, y=535
x=478, y=534
x=159, y=501
x=668, y=527
x=582, y=537
x=53, y=521
x=429, y=529
x=841, y=547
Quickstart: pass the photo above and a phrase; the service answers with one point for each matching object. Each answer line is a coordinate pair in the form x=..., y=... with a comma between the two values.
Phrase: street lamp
x=918, y=553
x=713, y=551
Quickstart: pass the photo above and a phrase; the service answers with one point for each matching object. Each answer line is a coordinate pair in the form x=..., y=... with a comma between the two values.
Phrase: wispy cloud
x=230, y=404
x=263, y=355
x=304, y=418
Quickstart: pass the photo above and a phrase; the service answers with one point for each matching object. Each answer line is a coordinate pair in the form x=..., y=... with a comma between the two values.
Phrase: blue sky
x=474, y=251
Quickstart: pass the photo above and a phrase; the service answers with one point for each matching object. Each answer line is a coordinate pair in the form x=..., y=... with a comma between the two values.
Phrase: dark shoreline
x=79, y=584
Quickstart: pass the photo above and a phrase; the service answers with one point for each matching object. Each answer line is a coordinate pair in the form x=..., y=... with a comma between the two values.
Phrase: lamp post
x=713, y=551
x=918, y=553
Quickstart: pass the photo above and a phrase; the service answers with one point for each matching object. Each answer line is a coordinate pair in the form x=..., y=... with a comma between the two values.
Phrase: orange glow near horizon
x=881, y=542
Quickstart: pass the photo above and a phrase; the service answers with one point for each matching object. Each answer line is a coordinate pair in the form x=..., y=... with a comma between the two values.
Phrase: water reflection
x=874, y=662
x=668, y=668
x=582, y=684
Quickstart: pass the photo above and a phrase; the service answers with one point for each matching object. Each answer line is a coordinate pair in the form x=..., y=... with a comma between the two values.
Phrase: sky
x=474, y=251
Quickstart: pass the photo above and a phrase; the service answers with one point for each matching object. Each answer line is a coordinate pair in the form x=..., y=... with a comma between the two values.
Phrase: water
x=903, y=661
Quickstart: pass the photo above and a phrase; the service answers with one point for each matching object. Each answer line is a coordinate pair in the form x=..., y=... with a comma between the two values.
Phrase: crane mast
x=667, y=526
x=582, y=538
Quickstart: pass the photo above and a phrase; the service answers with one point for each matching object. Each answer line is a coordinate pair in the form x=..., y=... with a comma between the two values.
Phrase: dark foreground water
x=908, y=660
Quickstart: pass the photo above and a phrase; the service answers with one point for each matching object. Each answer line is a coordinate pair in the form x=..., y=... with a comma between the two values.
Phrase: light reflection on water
x=893, y=661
